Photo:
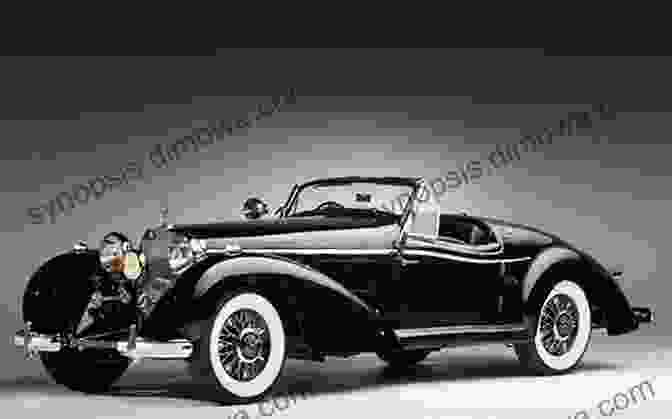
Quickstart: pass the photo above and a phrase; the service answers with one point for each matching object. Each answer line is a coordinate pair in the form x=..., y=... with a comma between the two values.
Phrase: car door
x=444, y=281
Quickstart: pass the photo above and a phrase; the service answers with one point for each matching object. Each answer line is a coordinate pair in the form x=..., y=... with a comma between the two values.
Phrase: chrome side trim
x=390, y=252
x=462, y=258
x=458, y=330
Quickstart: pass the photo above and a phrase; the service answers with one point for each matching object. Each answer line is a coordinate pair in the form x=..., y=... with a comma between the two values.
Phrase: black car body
x=344, y=280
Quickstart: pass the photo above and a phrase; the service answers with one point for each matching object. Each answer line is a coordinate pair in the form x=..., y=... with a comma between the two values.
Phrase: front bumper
x=134, y=347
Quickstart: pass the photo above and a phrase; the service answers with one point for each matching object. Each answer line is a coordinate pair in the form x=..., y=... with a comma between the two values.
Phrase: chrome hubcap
x=559, y=324
x=244, y=345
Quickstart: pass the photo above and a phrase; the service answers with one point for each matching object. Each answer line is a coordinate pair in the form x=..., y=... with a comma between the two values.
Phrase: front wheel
x=560, y=331
x=242, y=349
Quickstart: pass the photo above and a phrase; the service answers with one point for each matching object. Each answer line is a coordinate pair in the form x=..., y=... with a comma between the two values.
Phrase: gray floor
x=475, y=382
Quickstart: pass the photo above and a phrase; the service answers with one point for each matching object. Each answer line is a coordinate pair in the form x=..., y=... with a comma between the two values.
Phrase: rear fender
x=601, y=288
x=542, y=263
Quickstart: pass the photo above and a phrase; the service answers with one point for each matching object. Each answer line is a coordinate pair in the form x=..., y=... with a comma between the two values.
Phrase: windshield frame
x=413, y=183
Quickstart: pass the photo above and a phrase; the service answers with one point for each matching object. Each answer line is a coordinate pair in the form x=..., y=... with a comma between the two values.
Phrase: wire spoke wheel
x=561, y=331
x=242, y=350
x=559, y=324
x=244, y=345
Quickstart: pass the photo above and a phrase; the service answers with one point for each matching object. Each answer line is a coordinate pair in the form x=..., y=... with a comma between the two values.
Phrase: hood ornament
x=163, y=216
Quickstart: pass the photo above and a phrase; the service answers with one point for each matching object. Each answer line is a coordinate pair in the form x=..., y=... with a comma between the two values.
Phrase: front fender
x=245, y=265
x=327, y=316
x=58, y=291
x=272, y=267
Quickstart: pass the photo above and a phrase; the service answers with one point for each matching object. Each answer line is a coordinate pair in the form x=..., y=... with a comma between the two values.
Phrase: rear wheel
x=242, y=349
x=560, y=331
x=88, y=371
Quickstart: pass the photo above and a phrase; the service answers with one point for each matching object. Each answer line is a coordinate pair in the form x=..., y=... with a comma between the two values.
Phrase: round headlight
x=133, y=265
x=113, y=249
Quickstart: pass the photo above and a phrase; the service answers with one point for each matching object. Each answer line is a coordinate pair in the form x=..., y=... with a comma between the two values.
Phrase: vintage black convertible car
x=339, y=271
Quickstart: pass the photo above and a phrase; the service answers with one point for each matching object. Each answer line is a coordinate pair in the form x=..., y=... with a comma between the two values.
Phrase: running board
x=461, y=335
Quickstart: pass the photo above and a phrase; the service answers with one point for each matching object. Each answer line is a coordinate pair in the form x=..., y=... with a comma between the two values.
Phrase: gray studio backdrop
x=65, y=121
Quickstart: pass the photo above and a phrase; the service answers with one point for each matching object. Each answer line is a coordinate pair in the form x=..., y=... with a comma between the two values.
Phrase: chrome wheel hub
x=244, y=345
x=559, y=324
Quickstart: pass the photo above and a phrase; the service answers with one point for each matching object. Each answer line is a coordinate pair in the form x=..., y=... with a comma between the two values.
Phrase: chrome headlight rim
x=112, y=250
x=116, y=255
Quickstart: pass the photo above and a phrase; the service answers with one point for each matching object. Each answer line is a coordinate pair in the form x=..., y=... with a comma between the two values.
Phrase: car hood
x=277, y=226
x=297, y=233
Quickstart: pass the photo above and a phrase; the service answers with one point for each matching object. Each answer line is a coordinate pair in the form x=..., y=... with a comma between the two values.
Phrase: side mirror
x=254, y=208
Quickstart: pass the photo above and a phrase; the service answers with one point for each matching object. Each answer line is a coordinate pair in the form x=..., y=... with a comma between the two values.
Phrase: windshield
x=356, y=198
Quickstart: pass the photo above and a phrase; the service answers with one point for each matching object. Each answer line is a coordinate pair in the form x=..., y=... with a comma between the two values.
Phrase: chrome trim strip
x=461, y=258
x=390, y=252
x=458, y=330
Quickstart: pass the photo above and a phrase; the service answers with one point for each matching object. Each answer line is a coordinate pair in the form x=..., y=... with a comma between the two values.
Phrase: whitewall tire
x=242, y=349
x=560, y=331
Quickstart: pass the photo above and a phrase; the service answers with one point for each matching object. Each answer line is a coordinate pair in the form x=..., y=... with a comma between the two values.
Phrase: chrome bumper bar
x=134, y=348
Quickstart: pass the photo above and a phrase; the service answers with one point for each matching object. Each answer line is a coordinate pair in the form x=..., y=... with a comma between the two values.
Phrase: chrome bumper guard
x=135, y=347
x=643, y=314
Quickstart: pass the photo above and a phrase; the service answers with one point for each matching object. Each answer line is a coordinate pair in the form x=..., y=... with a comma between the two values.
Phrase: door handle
x=507, y=232
x=404, y=262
